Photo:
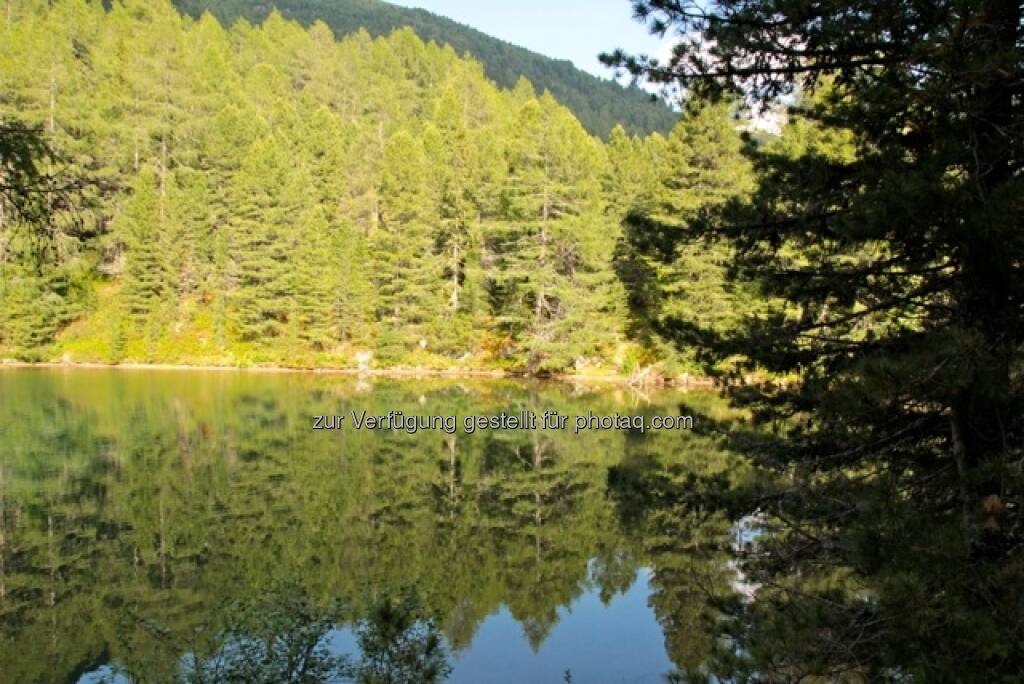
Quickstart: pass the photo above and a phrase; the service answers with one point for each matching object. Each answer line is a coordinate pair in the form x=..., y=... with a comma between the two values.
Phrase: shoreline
x=687, y=382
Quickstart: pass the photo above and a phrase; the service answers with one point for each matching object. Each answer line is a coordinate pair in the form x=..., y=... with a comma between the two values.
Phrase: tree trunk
x=956, y=425
x=542, y=260
x=986, y=307
x=454, y=300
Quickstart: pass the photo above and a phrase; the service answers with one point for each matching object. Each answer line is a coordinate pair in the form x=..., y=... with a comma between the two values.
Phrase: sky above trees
x=577, y=30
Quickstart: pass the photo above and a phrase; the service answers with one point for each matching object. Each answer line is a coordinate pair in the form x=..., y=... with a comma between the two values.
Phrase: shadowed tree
x=669, y=277
x=40, y=231
x=900, y=267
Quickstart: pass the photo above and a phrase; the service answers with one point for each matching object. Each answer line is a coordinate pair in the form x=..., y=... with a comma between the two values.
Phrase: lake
x=180, y=525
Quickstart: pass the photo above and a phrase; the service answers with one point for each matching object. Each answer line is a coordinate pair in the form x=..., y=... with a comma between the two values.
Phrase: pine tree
x=28, y=317
x=407, y=270
x=632, y=171
x=555, y=242
x=899, y=266
x=142, y=227
x=262, y=236
x=452, y=150
x=315, y=279
x=188, y=241
x=353, y=293
x=672, y=282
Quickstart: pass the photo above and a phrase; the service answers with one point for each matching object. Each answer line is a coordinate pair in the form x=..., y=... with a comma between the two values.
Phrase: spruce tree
x=673, y=281
x=407, y=270
x=555, y=242
x=262, y=236
x=142, y=229
x=315, y=278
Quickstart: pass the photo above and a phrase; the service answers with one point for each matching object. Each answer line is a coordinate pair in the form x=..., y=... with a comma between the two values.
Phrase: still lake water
x=140, y=509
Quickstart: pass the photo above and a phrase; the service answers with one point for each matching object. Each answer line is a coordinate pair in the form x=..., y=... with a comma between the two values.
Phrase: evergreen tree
x=599, y=103
x=452, y=150
x=632, y=172
x=41, y=271
x=407, y=270
x=285, y=195
x=29, y=313
x=899, y=265
x=262, y=237
x=555, y=243
x=142, y=227
x=188, y=240
x=315, y=281
x=673, y=281
x=353, y=295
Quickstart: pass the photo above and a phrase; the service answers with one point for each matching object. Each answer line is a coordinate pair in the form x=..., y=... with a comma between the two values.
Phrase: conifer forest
x=276, y=195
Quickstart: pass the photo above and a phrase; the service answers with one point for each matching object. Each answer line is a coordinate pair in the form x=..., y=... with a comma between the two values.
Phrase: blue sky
x=577, y=30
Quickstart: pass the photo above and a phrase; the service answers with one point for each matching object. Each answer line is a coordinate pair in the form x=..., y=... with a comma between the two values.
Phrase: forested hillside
x=599, y=104
x=270, y=194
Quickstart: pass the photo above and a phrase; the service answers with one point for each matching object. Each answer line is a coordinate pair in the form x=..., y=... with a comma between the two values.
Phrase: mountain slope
x=599, y=104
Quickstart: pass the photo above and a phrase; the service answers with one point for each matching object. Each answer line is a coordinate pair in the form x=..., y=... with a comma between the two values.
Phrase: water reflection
x=192, y=527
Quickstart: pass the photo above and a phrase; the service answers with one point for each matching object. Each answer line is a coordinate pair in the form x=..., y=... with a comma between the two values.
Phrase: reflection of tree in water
x=688, y=551
x=399, y=646
x=543, y=567
x=279, y=638
x=676, y=502
x=842, y=579
x=167, y=499
x=526, y=511
x=283, y=638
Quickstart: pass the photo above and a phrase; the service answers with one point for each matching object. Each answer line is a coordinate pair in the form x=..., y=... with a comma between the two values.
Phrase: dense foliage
x=599, y=104
x=888, y=219
x=272, y=195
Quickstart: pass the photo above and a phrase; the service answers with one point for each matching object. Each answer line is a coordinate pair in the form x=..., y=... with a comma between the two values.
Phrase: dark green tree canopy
x=902, y=262
x=887, y=220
